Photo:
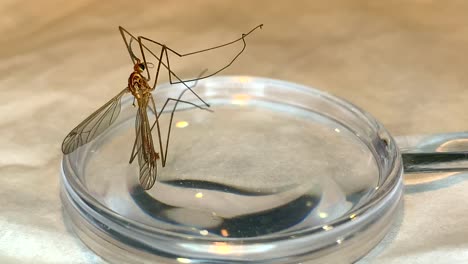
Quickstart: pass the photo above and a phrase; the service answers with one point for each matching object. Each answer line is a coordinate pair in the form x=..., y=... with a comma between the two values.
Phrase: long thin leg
x=169, y=133
x=163, y=158
x=211, y=74
x=134, y=58
x=207, y=49
x=171, y=73
x=170, y=121
x=181, y=101
x=127, y=43
x=156, y=123
x=186, y=86
x=177, y=101
x=163, y=48
x=134, y=154
x=160, y=62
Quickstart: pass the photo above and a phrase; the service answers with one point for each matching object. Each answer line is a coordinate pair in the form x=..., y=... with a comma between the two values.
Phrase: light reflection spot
x=243, y=79
x=221, y=248
x=323, y=215
x=204, y=232
x=240, y=99
x=184, y=260
x=182, y=124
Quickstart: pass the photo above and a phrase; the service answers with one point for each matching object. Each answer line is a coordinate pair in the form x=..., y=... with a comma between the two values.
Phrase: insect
x=139, y=87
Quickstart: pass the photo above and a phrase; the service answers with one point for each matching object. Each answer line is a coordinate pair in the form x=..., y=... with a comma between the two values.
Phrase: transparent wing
x=93, y=125
x=147, y=157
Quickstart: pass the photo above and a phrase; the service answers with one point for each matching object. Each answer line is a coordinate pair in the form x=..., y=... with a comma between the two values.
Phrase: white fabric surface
x=403, y=61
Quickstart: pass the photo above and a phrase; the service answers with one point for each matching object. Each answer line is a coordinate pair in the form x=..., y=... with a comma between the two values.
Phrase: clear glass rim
x=392, y=181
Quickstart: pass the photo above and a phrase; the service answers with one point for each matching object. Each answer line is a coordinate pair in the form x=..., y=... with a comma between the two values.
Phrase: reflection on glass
x=184, y=260
x=182, y=124
x=240, y=99
x=221, y=248
x=244, y=79
x=323, y=215
x=224, y=233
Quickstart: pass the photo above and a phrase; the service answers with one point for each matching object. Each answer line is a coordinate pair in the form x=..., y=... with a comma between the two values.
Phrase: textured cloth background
x=403, y=61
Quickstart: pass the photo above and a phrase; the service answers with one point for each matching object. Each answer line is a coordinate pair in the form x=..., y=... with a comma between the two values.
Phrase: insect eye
x=142, y=66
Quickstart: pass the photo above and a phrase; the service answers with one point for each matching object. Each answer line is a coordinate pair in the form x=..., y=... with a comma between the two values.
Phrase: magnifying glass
x=277, y=173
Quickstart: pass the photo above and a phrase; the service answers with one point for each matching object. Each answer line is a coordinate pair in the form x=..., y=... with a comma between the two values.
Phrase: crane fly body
x=139, y=87
x=148, y=157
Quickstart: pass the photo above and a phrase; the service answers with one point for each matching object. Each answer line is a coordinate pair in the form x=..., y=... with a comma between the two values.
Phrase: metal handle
x=434, y=153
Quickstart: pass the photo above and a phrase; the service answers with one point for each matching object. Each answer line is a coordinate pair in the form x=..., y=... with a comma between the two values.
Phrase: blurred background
x=403, y=61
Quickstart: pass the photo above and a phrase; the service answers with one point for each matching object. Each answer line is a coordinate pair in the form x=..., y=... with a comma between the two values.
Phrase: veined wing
x=93, y=125
x=147, y=156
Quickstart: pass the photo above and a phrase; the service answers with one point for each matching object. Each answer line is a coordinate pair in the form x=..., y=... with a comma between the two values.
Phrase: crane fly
x=139, y=87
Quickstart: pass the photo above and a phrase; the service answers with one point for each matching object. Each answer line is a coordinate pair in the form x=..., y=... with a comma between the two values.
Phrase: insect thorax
x=138, y=85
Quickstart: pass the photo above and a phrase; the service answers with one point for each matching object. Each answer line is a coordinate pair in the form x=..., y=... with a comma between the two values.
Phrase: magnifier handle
x=435, y=162
x=434, y=153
